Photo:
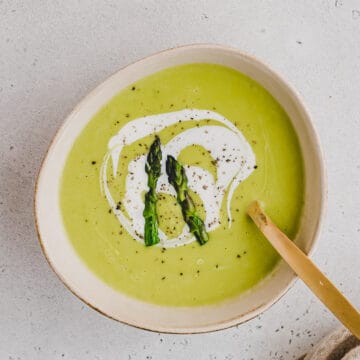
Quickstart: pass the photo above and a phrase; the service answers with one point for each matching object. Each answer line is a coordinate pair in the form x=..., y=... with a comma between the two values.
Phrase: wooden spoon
x=307, y=270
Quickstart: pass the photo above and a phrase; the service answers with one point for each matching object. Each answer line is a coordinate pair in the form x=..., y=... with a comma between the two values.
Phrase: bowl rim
x=322, y=174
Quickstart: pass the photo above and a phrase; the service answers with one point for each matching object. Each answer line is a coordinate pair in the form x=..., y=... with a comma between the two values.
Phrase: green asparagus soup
x=234, y=144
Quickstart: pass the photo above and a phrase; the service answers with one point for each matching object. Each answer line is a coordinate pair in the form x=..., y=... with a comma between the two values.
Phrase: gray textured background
x=52, y=53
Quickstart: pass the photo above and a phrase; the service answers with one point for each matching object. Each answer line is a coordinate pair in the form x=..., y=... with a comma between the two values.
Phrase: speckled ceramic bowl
x=83, y=283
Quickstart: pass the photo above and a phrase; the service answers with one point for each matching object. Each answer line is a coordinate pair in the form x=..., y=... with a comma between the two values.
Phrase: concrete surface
x=52, y=53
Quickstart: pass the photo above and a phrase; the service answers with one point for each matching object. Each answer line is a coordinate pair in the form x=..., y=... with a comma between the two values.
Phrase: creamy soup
x=236, y=145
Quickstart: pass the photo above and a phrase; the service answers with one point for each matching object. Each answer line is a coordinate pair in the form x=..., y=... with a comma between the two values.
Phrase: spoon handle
x=320, y=285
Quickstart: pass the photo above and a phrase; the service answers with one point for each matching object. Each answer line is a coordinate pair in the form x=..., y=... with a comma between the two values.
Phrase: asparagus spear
x=178, y=179
x=153, y=170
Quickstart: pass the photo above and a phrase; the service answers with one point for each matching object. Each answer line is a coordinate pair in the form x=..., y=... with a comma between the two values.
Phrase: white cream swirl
x=233, y=157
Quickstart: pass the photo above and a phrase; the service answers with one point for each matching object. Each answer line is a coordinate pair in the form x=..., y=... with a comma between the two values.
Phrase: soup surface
x=237, y=145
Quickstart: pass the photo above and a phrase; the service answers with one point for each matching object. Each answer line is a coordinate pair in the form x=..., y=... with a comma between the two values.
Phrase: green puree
x=235, y=258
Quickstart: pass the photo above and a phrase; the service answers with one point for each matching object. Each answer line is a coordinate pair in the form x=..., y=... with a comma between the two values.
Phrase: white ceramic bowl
x=83, y=283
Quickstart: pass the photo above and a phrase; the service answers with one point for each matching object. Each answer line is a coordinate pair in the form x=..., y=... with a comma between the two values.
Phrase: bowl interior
x=81, y=281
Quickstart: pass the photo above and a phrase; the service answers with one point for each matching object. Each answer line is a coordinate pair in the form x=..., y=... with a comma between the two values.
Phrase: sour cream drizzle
x=233, y=156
